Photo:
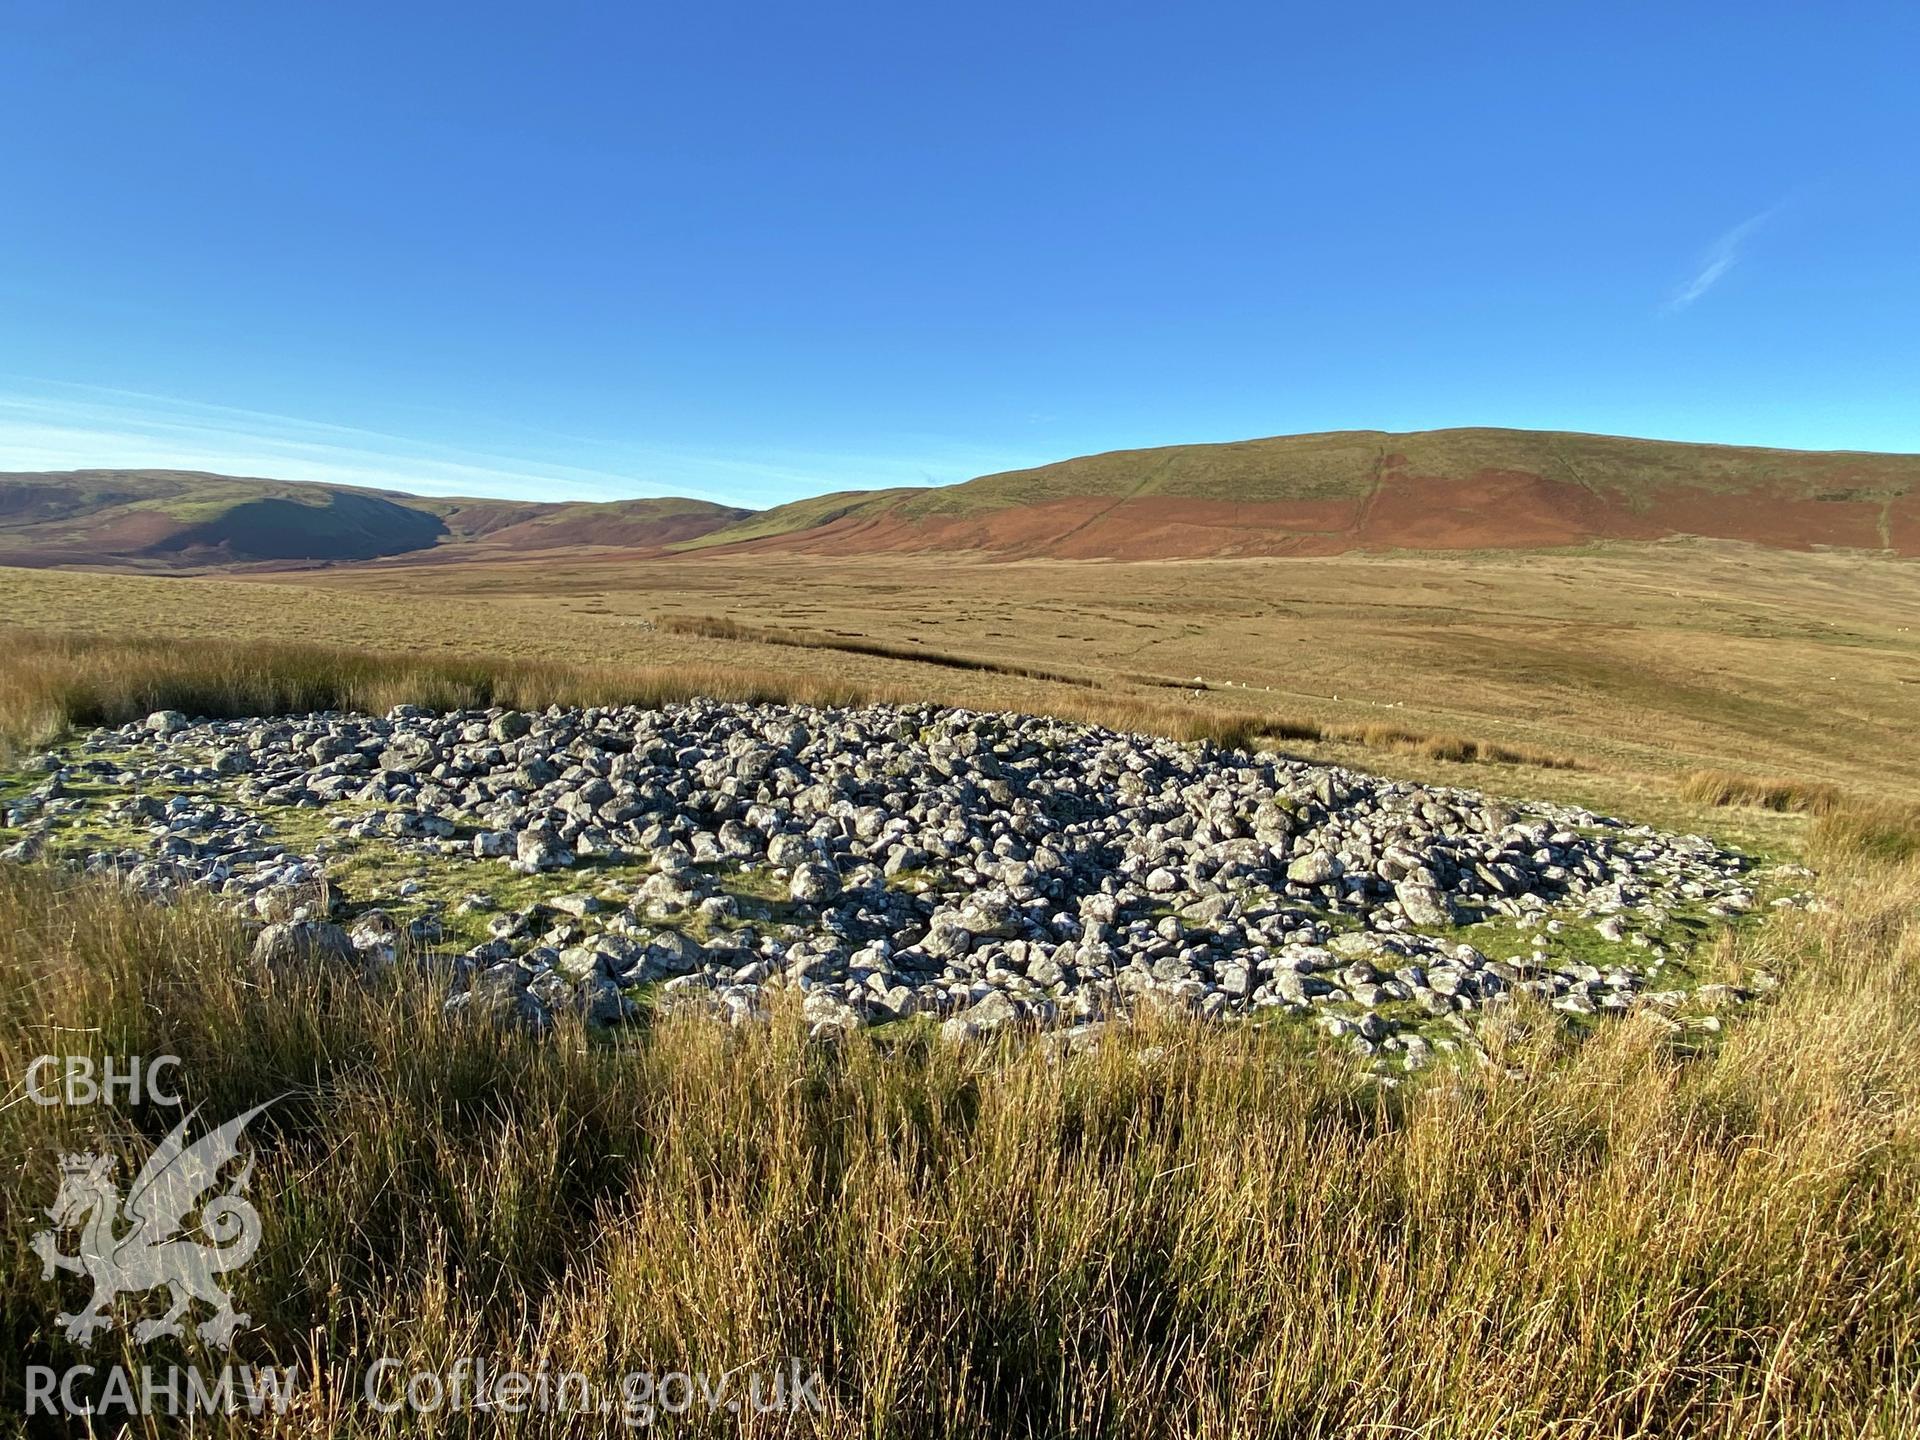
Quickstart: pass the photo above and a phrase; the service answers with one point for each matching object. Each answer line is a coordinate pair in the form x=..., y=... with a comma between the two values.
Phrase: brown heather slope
x=1370, y=490
x=185, y=520
x=1294, y=495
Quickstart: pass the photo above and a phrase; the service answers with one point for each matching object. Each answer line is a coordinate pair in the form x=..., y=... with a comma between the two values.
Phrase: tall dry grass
x=1781, y=793
x=1208, y=1231
x=1884, y=831
x=51, y=681
x=1846, y=827
x=1461, y=749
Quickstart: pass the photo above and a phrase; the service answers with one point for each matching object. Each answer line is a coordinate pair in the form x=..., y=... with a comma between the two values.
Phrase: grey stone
x=1424, y=904
x=1313, y=869
x=814, y=885
x=509, y=726
x=304, y=942
x=541, y=850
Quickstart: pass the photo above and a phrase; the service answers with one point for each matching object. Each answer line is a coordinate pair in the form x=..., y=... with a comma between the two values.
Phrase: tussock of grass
x=1886, y=832
x=1623, y=1243
x=1723, y=787
x=1458, y=748
x=1256, y=728
x=1846, y=828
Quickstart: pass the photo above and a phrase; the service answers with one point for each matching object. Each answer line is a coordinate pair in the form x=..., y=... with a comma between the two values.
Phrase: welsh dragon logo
x=147, y=1242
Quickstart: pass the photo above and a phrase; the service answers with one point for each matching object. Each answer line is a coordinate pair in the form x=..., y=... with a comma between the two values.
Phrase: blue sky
x=752, y=252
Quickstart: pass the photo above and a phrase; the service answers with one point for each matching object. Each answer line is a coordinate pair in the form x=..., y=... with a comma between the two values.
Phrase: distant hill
x=1372, y=490
x=172, y=519
x=1290, y=495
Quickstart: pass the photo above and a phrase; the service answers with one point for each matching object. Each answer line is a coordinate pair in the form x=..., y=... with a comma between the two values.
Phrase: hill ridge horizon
x=1313, y=493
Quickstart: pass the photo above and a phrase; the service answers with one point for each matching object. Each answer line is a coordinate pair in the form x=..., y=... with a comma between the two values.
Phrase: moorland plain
x=1654, y=659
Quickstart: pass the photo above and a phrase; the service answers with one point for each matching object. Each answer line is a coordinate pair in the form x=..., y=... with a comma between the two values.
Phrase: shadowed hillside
x=161, y=520
x=1370, y=490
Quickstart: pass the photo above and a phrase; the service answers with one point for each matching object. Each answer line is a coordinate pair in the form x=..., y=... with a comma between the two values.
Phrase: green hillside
x=1630, y=475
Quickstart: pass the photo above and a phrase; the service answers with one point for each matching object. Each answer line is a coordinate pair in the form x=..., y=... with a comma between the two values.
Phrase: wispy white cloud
x=46, y=425
x=1721, y=257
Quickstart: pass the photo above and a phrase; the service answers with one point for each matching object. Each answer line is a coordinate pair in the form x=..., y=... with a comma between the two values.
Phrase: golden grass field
x=1234, y=1233
x=1651, y=658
